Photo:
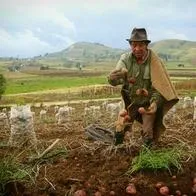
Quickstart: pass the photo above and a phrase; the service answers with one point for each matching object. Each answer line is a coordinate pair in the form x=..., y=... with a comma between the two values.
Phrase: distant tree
x=180, y=65
x=44, y=67
x=79, y=66
x=2, y=85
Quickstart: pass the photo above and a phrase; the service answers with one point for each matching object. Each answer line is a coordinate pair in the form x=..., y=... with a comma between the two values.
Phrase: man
x=146, y=88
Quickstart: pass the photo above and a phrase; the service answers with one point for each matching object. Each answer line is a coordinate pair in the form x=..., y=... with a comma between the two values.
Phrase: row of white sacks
x=64, y=114
x=20, y=119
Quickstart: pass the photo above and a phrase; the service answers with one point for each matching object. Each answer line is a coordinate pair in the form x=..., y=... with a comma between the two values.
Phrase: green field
x=33, y=80
x=25, y=85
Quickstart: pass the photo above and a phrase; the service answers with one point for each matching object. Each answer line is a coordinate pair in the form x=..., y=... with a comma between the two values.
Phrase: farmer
x=146, y=88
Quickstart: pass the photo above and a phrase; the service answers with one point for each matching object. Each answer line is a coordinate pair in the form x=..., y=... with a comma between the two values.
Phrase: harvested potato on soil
x=164, y=190
x=194, y=180
x=131, y=190
x=80, y=193
x=173, y=177
x=112, y=193
x=97, y=193
x=194, y=188
x=158, y=185
x=178, y=193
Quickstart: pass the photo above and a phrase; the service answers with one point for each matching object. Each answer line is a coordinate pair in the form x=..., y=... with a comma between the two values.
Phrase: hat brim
x=130, y=40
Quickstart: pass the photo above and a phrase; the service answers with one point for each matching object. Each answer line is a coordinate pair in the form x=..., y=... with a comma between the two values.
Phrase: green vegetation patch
x=12, y=171
x=2, y=85
x=15, y=86
x=157, y=160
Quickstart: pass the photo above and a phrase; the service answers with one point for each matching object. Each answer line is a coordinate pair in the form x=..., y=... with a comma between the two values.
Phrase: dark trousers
x=147, y=121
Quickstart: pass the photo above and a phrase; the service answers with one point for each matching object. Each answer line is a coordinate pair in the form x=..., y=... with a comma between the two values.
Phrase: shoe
x=119, y=138
x=148, y=142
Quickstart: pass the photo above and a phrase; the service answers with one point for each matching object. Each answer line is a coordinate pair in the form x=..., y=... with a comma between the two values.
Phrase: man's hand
x=150, y=110
x=118, y=74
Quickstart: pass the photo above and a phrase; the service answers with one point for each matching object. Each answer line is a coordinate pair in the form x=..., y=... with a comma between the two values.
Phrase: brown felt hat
x=138, y=35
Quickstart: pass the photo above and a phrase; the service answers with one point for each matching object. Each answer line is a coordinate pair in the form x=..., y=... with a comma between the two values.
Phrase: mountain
x=85, y=52
x=173, y=49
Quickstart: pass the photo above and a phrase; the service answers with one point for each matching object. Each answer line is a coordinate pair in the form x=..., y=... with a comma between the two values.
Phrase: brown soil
x=94, y=166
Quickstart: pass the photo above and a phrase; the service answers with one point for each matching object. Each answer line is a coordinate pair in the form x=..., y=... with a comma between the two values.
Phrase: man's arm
x=157, y=98
x=118, y=75
x=156, y=102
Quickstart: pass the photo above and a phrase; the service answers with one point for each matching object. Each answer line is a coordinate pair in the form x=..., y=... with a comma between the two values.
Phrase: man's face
x=139, y=49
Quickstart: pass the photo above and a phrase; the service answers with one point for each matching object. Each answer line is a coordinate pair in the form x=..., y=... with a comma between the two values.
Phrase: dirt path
x=76, y=101
x=52, y=103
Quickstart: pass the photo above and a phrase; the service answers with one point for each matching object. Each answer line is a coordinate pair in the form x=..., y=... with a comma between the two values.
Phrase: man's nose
x=137, y=48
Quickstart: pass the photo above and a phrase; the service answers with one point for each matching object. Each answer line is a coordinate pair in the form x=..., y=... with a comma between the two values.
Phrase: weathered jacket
x=160, y=81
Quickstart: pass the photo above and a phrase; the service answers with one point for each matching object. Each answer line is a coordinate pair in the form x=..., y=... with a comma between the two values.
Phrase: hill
x=87, y=52
x=173, y=49
x=174, y=52
x=84, y=52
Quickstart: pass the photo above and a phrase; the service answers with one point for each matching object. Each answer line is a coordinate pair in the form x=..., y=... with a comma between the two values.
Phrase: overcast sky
x=33, y=27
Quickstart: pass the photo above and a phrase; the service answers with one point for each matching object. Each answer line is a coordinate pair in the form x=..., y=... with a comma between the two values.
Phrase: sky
x=35, y=27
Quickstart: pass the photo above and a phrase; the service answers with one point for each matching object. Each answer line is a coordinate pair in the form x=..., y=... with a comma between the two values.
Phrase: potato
x=80, y=193
x=173, y=177
x=159, y=185
x=112, y=193
x=178, y=193
x=164, y=190
x=126, y=118
x=175, y=184
x=123, y=113
x=141, y=110
x=194, y=188
x=194, y=180
x=97, y=193
x=131, y=80
x=131, y=189
x=139, y=91
x=144, y=92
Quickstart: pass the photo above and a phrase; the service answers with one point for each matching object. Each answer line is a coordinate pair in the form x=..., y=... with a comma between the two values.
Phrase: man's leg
x=147, y=126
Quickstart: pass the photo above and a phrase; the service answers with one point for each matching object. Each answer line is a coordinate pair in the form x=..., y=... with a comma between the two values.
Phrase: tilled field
x=96, y=167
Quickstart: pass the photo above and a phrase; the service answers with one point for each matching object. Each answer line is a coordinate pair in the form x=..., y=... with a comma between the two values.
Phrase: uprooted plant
x=160, y=159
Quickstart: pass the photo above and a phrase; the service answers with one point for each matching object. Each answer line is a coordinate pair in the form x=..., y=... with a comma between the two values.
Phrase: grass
x=15, y=86
x=12, y=171
x=163, y=159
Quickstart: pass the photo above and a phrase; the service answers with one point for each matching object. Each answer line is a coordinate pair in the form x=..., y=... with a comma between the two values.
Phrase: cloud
x=26, y=44
x=157, y=34
x=55, y=24
x=30, y=31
